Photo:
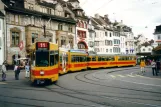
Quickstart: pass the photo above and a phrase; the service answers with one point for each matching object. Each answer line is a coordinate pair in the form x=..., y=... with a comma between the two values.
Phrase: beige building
x=25, y=24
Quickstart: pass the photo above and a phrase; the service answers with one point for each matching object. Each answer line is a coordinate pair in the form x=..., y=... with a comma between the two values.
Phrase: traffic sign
x=21, y=45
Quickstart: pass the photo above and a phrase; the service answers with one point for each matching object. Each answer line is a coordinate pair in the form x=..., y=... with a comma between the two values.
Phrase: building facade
x=2, y=39
x=82, y=25
x=157, y=36
x=91, y=36
x=26, y=21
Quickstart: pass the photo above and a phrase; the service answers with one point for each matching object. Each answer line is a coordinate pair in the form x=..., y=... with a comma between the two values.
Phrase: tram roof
x=112, y=55
x=77, y=51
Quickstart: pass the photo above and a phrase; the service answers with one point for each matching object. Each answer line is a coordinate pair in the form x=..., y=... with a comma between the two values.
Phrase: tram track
x=73, y=92
x=113, y=97
x=84, y=76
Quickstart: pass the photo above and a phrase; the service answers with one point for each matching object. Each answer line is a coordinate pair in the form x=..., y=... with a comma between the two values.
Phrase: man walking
x=4, y=71
x=153, y=64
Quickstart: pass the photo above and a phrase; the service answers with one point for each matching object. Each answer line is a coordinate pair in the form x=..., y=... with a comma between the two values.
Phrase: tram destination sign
x=42, y=46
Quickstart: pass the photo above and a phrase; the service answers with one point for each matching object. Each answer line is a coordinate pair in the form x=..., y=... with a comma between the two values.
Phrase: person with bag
x=4, y=70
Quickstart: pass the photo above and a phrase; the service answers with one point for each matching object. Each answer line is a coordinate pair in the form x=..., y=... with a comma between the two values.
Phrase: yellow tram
x=44, y=62
x=48, y=61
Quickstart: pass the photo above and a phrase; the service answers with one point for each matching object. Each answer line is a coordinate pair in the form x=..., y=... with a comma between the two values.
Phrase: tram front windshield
x=42, y=58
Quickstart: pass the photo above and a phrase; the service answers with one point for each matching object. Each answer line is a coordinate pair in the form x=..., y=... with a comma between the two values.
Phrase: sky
x=141, y=15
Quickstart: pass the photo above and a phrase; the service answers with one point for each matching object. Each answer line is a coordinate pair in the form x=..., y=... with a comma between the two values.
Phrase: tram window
x=77, y=59
x=51, y=58
x=88, y=59
x=73, y=59
x=103, y=59
x=99, y=58
x=112, y=58
x=81, y=59
x=126, y=58
x=42, y=61
x=56, y=57
x=120, y=58
x=94, y=59
x=84, y=59
x=107, y=59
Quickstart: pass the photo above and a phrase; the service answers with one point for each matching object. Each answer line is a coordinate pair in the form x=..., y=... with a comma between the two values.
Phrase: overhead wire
x=103, y=6
x=84, y=2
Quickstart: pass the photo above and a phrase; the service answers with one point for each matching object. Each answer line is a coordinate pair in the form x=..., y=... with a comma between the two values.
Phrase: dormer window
x=60, y=27
x=49, y=11
x=31, y=7
x=59, y=13
x=79, y=13
x=12, y=3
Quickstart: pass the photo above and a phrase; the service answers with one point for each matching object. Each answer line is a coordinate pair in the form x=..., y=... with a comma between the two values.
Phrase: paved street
x=113, y=87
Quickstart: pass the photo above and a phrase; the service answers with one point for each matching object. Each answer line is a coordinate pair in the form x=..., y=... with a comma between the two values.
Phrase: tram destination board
x=42, y=46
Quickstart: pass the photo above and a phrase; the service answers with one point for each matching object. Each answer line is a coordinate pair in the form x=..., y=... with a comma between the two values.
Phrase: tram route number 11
x=42, y=45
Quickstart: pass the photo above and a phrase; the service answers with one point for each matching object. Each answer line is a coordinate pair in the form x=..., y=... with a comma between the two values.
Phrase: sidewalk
x=10, y=76
x=149, y=73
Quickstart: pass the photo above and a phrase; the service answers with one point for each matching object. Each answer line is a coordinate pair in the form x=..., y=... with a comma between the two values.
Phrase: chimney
x=97, y=16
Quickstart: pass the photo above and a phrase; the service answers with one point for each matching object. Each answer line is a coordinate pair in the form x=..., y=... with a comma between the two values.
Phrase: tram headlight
x=41, y=72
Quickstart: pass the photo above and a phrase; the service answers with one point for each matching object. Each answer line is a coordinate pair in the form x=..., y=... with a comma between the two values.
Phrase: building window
x=60, y=27
x=143, y=49
x=15, y=38
x=106, y=34
x=59, y=13
x=63, y=40
x=31, y=6
x=149, y=49
x=70, y=29
x=110, y=35
x=90, y=34
x=34, y=36
x=159, y=37
x=82, y=24
x=111, y=50
x=48, y=10
x=32, y=20
x=71, y=42
x=106, y=50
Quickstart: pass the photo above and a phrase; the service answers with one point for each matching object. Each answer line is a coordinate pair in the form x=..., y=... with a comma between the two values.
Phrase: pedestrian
x=27, y=69
x=158, y=66
x=4, y=70
x=15, y=70
x=18, y=70
x=153, y=64
x=142, y=66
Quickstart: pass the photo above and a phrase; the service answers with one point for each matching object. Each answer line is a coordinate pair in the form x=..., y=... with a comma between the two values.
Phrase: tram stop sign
x=21, y=45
